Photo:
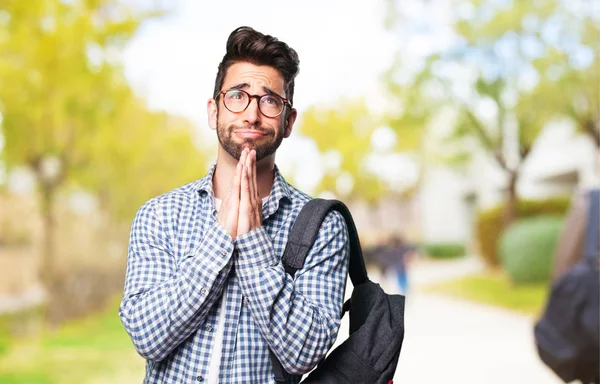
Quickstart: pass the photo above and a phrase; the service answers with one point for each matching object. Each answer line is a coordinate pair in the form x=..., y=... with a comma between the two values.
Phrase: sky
x=342, y=45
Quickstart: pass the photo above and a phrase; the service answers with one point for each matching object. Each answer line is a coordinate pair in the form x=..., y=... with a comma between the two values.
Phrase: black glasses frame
x=258, y=98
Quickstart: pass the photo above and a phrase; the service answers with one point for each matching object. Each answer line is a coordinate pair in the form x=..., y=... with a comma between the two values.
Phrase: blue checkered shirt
x=180, y=261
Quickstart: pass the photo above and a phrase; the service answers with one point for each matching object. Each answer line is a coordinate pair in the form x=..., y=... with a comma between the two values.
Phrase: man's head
x=252, y=99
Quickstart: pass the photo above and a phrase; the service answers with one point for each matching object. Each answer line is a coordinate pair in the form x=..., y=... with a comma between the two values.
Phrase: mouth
x=250, y=133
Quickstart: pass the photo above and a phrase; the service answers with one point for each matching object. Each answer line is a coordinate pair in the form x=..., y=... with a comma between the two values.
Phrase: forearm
x=162, y=306
x=298, y=318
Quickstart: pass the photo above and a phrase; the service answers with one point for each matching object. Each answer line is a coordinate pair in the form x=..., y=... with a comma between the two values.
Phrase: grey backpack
x=568, y=333
x=370, y=354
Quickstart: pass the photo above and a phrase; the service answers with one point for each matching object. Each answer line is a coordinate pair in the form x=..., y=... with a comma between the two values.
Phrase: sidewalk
x=455, y=341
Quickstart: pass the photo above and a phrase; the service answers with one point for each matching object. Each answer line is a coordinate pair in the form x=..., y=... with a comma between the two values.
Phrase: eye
x=236, y=95
x=270, y=100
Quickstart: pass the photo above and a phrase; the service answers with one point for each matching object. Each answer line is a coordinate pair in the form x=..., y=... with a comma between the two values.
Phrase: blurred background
x=458, y=132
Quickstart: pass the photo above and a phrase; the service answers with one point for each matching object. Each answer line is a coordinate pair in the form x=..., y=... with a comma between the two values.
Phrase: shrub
x=444, y=250
x=527, y=248
x=490, y=222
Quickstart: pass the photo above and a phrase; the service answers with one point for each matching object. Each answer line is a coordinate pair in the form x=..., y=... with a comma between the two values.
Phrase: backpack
x=370, y=354
x=567, y=334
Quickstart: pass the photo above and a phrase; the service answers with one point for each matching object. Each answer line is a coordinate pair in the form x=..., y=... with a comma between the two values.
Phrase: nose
x=252, y=113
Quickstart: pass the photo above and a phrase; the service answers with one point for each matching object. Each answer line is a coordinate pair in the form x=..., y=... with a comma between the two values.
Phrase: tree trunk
x=46, y=268
x=593, y=131
x=510, y=213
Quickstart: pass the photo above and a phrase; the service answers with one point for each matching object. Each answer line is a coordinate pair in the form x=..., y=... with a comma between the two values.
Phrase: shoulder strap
x=303, y=234
x=592, y=235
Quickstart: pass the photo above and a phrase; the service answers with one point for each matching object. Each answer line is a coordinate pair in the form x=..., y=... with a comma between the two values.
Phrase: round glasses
x=270, y=105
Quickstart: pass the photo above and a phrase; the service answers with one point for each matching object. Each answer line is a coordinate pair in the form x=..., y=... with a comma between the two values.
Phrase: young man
x=206, y=295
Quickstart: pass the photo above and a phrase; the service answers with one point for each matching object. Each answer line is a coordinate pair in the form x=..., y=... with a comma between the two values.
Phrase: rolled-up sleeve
x=165, y=300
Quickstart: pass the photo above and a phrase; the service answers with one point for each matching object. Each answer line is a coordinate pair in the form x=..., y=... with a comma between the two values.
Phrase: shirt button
x=203, y=291
x=209, y=328
x=199, y=378
x=223, y=252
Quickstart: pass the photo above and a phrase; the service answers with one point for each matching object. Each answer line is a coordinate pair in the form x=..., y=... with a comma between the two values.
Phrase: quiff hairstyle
x=247, y=45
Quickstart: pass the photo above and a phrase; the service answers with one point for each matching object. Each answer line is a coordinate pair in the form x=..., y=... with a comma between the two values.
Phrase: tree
x=138, y=155
x=61, y=83
x=526, y=62
x=343, y=132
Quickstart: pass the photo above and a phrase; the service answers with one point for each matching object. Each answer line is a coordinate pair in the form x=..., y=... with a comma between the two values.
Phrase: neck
x=225, y=171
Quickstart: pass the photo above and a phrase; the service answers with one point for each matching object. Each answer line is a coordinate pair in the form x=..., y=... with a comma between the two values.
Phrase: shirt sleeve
x=298, y=317
x=166, y=300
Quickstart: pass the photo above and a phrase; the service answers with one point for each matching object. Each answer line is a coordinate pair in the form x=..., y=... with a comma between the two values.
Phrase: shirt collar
x=279, y=191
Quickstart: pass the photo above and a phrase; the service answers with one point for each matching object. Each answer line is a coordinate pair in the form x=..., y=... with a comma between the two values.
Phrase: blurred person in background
x=572, y=308
x=570, y=246
x=206, y=295
x=395, y=258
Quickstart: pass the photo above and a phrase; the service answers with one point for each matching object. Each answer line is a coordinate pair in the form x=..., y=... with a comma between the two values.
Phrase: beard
x=267, y=146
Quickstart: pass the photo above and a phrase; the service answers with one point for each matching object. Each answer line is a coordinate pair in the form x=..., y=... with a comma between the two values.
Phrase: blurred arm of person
x=569, y=249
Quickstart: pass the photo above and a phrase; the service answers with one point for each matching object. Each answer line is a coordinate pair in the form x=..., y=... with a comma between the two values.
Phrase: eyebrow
x=240, y=86
x=267, y=90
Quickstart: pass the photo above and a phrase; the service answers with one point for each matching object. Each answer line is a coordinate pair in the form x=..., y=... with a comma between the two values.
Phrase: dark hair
x=246, y=44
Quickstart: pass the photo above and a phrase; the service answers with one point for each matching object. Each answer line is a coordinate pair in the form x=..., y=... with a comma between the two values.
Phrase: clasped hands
x=241, y=209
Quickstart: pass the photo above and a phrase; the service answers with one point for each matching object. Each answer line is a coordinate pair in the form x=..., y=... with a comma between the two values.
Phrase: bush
x=489, y=223
x=444, y=250
x=527, y=248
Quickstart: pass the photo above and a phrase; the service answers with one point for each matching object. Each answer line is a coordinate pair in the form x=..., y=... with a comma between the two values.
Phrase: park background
x=465, y=126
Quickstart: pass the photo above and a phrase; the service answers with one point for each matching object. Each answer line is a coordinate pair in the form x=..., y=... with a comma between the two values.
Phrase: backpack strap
x=592, y=235
x=301, y=238
x=304, y=233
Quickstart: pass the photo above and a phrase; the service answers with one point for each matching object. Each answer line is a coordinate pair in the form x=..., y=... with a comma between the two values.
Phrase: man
x=206, y=295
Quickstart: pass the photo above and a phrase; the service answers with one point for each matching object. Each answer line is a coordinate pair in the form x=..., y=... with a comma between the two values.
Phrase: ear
x=289, y=122
x=211, y=108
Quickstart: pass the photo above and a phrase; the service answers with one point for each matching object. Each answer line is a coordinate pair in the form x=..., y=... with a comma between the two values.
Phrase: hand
x=250, y=212
x=230, y=206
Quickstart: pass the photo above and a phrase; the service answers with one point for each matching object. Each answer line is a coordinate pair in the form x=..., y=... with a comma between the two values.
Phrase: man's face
x=250, y=128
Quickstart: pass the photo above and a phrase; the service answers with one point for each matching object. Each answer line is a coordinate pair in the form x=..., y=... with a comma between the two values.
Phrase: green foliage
x=345, y=130
x=64, y=97
x=496, y=289
x=527, y=248
x=53, y=95
x=504, y=72
x=490, y=222
x=92, y=350
x=444, y=250
x=143, y=154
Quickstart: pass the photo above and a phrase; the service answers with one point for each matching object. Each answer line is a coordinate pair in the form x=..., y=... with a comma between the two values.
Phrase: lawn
x=93, y=350
x=494, y=288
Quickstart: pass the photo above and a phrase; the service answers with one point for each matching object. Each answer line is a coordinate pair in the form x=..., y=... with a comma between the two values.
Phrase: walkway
x=455, y=341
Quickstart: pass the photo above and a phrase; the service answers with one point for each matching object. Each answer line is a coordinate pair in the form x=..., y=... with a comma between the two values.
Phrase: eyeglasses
x=270, y=105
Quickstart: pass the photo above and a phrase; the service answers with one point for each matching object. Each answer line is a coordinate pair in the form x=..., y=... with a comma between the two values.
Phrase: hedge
x=489, y=223
x=527, y=249
x=444, y=250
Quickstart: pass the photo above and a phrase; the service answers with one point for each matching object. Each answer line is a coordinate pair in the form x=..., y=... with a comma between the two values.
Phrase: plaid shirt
x=180, y=261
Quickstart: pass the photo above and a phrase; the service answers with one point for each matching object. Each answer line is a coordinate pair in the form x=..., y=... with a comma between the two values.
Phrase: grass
x=93, y=350
x=494, y=288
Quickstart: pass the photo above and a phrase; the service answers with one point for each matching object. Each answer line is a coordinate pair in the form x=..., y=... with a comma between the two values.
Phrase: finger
x=235, y=187
x=254, y=176
x=234, y=198
x=257, y=202
x=244, y=210
x=251, y=173
x=233, y=202
x=243, y=156
x=245, y=185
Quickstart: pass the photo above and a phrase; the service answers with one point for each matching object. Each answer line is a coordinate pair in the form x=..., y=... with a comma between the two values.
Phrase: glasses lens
x=271, y=105
x=235, y=100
